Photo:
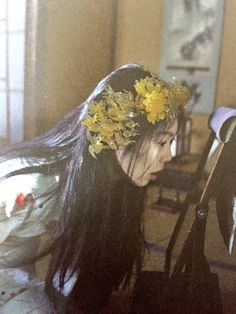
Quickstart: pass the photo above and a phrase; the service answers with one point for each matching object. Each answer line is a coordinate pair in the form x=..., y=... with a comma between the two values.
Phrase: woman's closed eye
x=163, y=143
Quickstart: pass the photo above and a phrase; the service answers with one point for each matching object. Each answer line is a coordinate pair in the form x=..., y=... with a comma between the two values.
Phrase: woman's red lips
x=153, y=176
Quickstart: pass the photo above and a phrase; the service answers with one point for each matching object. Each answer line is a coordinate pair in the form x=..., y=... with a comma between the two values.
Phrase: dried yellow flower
x=111, y=122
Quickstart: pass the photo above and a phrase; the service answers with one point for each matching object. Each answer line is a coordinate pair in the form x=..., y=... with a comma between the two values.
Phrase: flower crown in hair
x=111, y=121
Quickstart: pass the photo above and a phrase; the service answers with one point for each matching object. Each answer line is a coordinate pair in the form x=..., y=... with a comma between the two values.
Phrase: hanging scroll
x=191, y=48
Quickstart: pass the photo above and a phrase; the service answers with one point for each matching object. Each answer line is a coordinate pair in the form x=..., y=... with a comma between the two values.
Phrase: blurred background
x=53, y=52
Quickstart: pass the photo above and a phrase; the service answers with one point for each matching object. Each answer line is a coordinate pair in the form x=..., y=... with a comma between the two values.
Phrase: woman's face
x=151, y=158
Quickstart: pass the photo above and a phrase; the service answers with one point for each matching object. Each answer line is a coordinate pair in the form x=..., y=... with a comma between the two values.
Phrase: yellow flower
x=116, y=114
x=178, y=96
x=111, y=122
x=156, y=106
x=140, y=88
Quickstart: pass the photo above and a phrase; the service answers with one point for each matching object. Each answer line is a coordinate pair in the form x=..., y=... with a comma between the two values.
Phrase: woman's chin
x=141, y=182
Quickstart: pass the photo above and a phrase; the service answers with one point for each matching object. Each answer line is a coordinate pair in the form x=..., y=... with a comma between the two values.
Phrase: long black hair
x=100, y=240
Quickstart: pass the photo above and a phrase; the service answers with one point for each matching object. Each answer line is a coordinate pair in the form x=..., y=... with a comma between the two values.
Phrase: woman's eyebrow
x=167, y=133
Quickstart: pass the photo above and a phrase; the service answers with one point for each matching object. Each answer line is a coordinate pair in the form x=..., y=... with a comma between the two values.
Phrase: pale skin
x=151, y=159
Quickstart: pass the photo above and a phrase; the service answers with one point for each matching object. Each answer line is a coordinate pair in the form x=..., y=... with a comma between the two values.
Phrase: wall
x=226, y=91
x=139, y=34
x=73, y=52
x=139, y=31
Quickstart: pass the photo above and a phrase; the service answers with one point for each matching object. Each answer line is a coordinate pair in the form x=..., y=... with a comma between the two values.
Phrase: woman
x=86, y=186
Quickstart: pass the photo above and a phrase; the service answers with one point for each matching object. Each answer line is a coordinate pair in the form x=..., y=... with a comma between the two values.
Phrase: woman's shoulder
x=11, y=165
x=25, y=187
x=28, y=204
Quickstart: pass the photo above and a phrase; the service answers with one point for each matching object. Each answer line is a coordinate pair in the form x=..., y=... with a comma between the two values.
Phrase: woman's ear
x=120, y=154
x=122, y=158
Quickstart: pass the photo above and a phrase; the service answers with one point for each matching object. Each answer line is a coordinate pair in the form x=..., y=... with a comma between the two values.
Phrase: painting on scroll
x=191, y=45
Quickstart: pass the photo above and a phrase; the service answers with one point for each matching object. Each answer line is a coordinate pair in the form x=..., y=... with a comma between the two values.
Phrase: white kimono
x=28, y=210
